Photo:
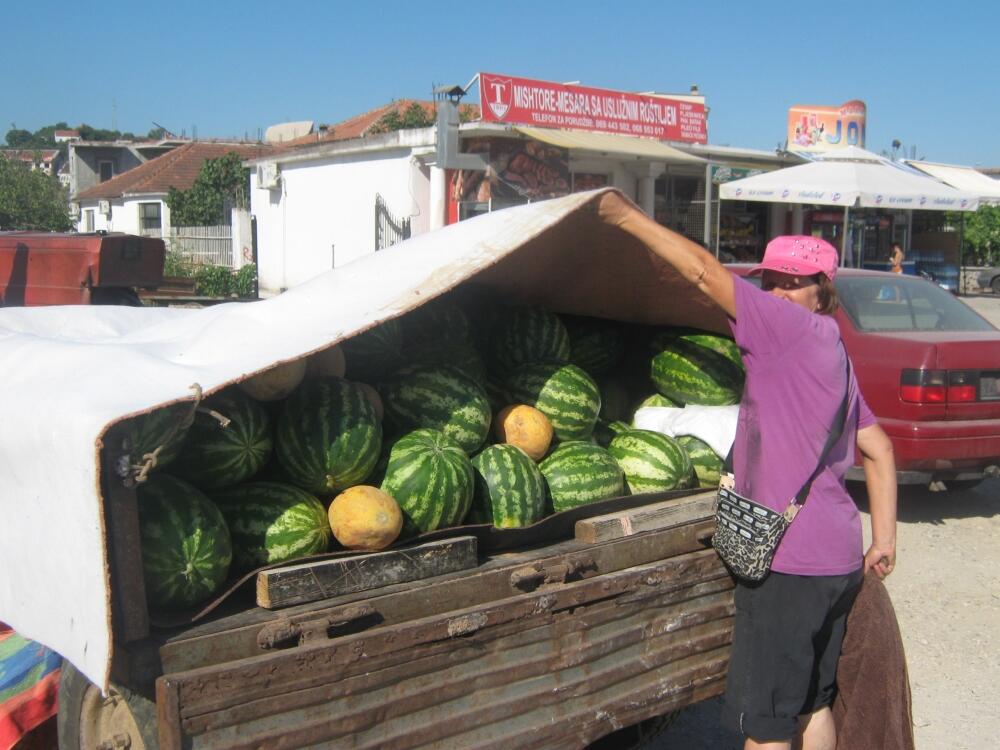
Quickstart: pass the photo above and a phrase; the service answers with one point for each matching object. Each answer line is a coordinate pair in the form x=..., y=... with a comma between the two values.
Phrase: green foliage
x=414, y=116
x=175, y=264
x=245, y=280
x=17, y=138
x=213, y=281
x=221, y=181
x=31, y=199
x=982, y=233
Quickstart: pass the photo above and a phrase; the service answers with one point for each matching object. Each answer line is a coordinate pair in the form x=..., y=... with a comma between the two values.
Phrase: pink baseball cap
x=800, y=255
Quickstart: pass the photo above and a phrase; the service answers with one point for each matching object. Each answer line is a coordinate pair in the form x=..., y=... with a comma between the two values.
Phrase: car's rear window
x=900, y=303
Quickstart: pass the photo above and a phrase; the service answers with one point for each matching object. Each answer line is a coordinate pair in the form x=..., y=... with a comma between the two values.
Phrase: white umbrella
x=851, y=177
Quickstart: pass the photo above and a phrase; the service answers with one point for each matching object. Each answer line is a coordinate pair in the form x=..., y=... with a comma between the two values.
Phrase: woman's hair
x=828, y=302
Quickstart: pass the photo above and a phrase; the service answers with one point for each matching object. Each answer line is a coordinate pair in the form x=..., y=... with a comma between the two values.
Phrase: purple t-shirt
x=796, y=370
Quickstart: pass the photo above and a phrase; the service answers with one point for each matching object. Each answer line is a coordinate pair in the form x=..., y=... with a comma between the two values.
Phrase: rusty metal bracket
x=284, y=633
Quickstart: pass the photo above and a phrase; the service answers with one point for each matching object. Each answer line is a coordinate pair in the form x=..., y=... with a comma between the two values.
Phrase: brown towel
x=872, y=710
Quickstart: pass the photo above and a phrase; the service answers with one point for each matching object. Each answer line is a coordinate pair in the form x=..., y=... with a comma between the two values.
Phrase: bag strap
x=839, y=422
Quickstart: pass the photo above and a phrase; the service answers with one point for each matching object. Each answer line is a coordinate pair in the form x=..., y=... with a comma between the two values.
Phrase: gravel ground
x=946, y=591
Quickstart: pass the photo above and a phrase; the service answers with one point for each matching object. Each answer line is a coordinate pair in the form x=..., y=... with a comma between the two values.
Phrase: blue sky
x=929, y=72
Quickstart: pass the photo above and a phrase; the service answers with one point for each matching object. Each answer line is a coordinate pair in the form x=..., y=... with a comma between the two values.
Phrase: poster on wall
x=816, y=129
x=520, y=171
x=583, y=181
x=544, y=104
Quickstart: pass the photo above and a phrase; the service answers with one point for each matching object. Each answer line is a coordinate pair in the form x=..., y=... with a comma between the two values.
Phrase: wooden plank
x=664, y=515
x=121, y=517
x=298, y=584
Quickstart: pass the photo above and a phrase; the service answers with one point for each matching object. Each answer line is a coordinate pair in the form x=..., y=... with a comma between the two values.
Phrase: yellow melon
x=327, y=363
x=365, y=518
x=276, y=383
x=526, y=427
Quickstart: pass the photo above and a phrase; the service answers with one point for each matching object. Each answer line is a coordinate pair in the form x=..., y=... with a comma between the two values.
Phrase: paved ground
x=946, y=591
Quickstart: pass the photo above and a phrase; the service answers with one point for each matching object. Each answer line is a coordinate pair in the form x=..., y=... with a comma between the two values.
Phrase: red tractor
x=46, y=268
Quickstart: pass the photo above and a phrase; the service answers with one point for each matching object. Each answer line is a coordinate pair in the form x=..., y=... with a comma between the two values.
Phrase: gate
x=388, y=229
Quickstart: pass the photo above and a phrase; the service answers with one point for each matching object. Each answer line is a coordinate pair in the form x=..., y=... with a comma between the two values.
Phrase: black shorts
x=786, y=642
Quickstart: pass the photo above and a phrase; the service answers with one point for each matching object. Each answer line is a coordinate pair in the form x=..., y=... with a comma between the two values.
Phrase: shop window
x=149, y=218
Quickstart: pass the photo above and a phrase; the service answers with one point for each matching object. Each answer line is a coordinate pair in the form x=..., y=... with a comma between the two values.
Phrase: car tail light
x=961, y=386
x=924, y=386
x=938, y=386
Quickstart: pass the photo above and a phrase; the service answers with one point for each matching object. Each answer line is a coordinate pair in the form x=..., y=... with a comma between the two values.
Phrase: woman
x=896, y=259
x=789, y=628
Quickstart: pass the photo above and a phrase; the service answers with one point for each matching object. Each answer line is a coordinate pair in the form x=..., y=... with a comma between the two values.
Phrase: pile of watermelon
x=459, y=413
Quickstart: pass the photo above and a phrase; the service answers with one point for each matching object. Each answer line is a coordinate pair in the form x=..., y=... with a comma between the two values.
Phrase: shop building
x=326, y=200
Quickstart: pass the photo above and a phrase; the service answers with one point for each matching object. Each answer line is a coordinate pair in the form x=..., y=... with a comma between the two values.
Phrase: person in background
x=789, y=628
x=896, y=258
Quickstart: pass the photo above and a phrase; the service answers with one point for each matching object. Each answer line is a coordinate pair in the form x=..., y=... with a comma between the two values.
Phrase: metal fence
x=202, y=246
x=388, y=229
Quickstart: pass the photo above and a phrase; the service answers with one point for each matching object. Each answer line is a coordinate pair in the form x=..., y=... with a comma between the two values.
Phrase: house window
x=88, y=220
x=106, y=169
x=149, y=217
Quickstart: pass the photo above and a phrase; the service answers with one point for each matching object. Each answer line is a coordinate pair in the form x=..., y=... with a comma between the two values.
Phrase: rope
x=140, y=471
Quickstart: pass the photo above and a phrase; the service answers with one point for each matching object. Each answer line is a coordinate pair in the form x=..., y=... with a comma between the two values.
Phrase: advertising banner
x=815, y=129
x=524, y=101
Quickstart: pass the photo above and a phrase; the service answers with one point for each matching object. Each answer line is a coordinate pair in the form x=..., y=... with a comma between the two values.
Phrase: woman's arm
x=692, y=261
x=880, y=476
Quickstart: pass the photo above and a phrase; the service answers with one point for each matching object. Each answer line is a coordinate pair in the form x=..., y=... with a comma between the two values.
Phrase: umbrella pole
x=843, y=239
x=961, y=255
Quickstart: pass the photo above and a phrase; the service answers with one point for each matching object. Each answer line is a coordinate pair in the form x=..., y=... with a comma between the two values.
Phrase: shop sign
x=722, y=173
x=524, y=101
x=817, y=129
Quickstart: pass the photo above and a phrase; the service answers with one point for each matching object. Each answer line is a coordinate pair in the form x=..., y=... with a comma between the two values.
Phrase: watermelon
x=328, y=436
x=375, y=353
x=565, y=394
x=270, y=522
x=431, y=478
x=509, y=490
x=439, y=323
x=165, y=427
x=657, y=399
x=597, y=346
x=461, y=355
x=441, y=398
x=216, y=456
x=697, y=368
x=605, y=431
x=578, y=473
x=706, y=462
x=652, y=462
x=186, y=548
x=527, y=334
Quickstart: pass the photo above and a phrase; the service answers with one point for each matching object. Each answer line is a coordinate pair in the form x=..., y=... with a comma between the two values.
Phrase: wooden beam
x=298, y=584
x=664, y=515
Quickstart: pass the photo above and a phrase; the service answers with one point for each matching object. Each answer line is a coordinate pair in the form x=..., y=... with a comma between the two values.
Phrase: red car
x=929, y=367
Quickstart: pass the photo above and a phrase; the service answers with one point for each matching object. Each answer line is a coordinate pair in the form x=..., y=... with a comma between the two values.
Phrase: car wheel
x=995, y=285
x=89, y=720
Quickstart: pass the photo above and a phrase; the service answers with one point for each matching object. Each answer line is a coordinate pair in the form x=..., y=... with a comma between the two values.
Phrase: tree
x=18, y=138
x=31, y=199
x=220, y=181
x=982, y=233
x=414, y=116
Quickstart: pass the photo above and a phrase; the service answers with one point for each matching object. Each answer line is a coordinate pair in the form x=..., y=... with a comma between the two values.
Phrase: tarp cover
x=70, y=373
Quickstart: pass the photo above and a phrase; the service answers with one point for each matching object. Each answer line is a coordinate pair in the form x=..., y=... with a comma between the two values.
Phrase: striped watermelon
x=271, y=522
x=186, y=548
x=441, y=398
x=657, y=399
x=565, y=394
x=578, y=473
x=509, y=490
x=699, y=368
x=596, y=345
x=328, y=436
x=165, y=427
x=706, y=462
x=431, y=478
x=605, y=431
x=527, y=334
x=220, y=456
x=375, y=353
x=461, y=355
x=652, y=462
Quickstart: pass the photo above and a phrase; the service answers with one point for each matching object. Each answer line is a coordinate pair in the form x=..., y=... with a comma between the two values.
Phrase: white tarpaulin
x=851, y=177
x=72, y=372
x=966, y=179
